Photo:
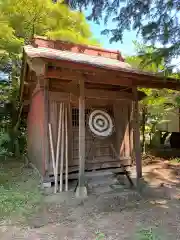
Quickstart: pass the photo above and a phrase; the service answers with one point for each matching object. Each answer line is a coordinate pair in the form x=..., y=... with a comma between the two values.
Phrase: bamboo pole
x=52, y=148
x=66, y=147
x=58, y=147
x=62, y=151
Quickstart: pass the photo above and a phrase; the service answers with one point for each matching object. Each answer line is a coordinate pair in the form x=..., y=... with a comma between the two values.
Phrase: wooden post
x=62, y=149
x=136, y=136
x=66, y=147
x=131, y=134
x=46, y=119
x=81, y=190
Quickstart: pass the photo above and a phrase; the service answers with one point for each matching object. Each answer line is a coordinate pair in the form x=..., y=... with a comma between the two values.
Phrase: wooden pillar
x=81, y=190
x=46, y=119
x=136, y=135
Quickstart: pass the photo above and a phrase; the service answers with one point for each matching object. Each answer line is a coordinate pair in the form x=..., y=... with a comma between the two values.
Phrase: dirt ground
x=119, y=212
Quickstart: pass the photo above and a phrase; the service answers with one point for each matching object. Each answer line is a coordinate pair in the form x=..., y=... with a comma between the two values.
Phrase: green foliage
x=157, y=21
x=147, y=234
x=175, y=160
x=20, y=21
x=26, y=18
x=19, y=191
x=100, y=236
x=158, y=103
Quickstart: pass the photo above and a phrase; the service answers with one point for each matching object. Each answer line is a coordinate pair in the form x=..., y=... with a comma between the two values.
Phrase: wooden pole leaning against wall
x=66, y=148
x=136, y=135
x=58, y=147
x=81, y=190
x=62, y=149
x=52, y=149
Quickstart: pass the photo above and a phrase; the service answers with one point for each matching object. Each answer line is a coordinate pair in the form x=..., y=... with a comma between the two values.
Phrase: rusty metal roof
x=98, y=61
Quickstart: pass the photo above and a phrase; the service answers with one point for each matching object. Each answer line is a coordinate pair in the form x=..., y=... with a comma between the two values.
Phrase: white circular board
x=100, y=123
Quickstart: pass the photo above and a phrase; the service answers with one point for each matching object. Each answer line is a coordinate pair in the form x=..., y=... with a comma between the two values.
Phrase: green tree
x=158, y=102
x=41, y=17
x=157, y=21
x=20, y=21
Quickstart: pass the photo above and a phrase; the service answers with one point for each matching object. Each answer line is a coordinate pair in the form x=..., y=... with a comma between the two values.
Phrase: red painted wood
x=77, y=48
x=35, y=124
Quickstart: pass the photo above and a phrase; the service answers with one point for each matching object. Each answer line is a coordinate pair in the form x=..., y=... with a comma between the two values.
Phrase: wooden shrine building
x=61, y=85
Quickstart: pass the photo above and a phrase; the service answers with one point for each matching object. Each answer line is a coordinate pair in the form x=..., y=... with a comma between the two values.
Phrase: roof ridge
x=39, y=41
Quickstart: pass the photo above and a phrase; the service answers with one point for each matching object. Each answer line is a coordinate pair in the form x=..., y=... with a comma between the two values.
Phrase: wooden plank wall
x=35, y=126
x=98, y=152
x=122, y=123
x=54, y=108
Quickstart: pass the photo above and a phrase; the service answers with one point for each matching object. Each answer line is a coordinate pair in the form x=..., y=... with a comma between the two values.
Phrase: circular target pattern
x=100, y=123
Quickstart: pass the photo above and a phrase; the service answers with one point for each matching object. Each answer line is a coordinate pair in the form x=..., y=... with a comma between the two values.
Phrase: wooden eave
x=67, y=71
x=70, y=70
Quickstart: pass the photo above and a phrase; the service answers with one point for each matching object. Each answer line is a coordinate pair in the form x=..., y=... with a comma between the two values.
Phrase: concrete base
x=81, y=192
x=46, y=185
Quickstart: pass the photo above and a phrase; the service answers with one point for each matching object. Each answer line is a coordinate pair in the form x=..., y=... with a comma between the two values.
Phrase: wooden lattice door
x=98, y=151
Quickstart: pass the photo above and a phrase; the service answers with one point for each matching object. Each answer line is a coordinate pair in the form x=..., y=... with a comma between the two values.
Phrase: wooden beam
x=81, y=190
x=136, y=135
x=107, y=95
x=112, y=76
x=93, y=94
x=81, y=134
x=46, y=121
x=71, y=87
x=103, y=78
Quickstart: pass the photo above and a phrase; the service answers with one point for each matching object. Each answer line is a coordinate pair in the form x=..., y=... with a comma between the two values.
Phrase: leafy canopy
x=158, y=21
x=20, y=21
x=158, y=103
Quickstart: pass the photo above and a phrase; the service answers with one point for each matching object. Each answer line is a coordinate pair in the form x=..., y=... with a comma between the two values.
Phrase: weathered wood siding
x=122, y=122
x=35, y=125
x=98, y=151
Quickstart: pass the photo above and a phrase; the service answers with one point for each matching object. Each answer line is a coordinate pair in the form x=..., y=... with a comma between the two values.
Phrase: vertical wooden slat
x=62, y=149
x=70, y=134
x=60, y=130
x=52, y=149
x=54, y=120
x=81, y=190
x=137, y=145
x=81, y=134
x=66, y=148
x=119, y=127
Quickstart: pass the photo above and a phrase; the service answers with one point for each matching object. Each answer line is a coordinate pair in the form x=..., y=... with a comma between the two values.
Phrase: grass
x=143, y=234
x=19, y=193
x=147, y=234
x=175, y=160
x=100, y=236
